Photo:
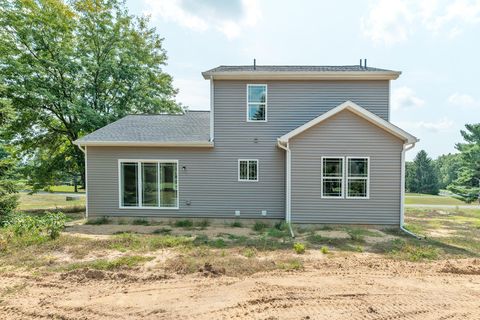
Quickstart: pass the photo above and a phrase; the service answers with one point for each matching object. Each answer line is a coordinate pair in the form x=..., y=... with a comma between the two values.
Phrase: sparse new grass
x=105, y=264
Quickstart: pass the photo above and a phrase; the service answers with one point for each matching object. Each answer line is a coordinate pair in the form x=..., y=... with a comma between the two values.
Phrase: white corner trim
x=288, y=187
x=212, y=108
x=86, y=182
x=365, y=114
x=145, y=143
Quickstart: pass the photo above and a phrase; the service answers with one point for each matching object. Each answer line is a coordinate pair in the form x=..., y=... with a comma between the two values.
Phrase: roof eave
x=338, y=75
x=353, y=107
x=194, y=144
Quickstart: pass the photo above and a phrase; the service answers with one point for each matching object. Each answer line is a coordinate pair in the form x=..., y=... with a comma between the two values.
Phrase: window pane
x=243, y=170
x=358, y=167
x=332, y=167
x=332, y=187
x=257, y=94
x=256, y=112
x=168, y=184
x=357, y=188
x=150, y=184
x=252, y=172
x=129, y=184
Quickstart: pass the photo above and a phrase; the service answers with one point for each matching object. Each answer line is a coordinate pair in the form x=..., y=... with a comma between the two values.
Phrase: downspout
x=288, y=157
x=84, y=150
x=406, y=147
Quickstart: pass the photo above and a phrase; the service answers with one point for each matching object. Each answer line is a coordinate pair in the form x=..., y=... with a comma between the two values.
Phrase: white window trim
x=139, y=171
x=342, y=196
x=248, y=169
x=266, y=101
x=358, y=178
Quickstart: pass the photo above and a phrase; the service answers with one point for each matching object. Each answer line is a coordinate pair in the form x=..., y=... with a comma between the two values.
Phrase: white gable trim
x=353, y=107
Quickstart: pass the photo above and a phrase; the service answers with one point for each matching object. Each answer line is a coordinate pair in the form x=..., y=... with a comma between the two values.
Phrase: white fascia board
x=353, y=107
x=339, y=75
x=145, y=143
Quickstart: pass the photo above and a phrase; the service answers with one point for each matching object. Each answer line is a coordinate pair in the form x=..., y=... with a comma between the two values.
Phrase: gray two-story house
x=309, y=144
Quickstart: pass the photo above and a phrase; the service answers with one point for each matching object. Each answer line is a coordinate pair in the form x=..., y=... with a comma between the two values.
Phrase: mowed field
x=194, y=270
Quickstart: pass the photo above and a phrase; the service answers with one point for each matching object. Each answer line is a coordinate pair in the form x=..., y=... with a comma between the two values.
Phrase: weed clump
x=186, y=224
x=299, y=248
x=98, y=221
x=259, y=226
x=324, y=250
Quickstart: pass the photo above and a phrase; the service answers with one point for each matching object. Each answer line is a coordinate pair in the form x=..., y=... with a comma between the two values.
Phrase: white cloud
x=463, y=100
x=441, y=125
x=228, y=17
x=404, y=98
x=394, y=21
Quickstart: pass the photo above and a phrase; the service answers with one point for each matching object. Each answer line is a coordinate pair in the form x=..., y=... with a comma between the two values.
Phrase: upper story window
x=257, y=102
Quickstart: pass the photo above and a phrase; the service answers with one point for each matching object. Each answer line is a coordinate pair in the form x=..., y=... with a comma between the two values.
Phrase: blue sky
x=436, y=44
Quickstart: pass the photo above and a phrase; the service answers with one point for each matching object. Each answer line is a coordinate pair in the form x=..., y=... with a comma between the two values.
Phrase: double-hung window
x=247, y=170
x=332, y=178
x=357, y=177
x=148, y=184
x=257, y=102
x=345, y=177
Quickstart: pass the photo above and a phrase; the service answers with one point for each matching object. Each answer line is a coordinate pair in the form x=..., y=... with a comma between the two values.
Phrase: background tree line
x=458, y=173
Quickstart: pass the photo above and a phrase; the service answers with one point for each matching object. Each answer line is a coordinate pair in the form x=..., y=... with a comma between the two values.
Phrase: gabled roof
x=300, y=72
x=189, y=129
x=363, y=113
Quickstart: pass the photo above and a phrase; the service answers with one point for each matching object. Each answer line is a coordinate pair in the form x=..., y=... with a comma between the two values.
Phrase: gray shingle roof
x=193, y=126
x=259, y=68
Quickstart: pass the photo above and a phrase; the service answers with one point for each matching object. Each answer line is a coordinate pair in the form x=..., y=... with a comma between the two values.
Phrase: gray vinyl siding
x=346, y=134
x=210, y=181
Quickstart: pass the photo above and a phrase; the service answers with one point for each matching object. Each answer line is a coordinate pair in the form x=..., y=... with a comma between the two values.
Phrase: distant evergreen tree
x=410, y=185
x=467, y=184
x=424, y=175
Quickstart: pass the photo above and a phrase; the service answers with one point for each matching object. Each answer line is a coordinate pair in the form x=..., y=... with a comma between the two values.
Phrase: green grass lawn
x=48, y=201
x=65, y=189
x=417, y=198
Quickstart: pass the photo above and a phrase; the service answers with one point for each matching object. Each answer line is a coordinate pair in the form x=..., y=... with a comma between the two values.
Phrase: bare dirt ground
x=342, y=286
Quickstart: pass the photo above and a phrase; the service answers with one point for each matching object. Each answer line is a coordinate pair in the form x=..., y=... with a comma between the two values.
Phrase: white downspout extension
x=288, y=188
x=406, y=147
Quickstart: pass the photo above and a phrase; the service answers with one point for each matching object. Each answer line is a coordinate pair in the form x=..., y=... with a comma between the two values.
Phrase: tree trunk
x=75, y=184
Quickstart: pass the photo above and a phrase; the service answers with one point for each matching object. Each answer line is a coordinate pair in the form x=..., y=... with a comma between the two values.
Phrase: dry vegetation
x=234, y=270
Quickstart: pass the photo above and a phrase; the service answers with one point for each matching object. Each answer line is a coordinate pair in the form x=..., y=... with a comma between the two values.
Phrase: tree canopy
x=421, y=176
x=71, y=68
x=467, y=184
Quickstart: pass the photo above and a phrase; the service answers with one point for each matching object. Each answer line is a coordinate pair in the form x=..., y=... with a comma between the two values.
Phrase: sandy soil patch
x=363, y=286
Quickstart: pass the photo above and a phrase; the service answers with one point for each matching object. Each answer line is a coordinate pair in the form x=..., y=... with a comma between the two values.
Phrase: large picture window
x=148, y=184
x=247, y=170
x=257, y=102
x=332, y=178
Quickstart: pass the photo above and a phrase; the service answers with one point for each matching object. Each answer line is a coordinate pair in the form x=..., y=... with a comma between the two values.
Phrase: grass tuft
x=98, y=221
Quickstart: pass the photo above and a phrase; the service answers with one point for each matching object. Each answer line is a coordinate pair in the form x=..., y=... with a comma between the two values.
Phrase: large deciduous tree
x=71, y=68
x=467, y=185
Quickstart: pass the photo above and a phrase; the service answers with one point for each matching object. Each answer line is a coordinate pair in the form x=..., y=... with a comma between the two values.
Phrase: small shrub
x=249, y=252
x=324, y=250
x=162, y=231
x=299, y=248
x=203, y=223
x=184, y=224
x=315, y=238
x=290, y=265
x=98, y=221
x=141, y=222
x=358, y=248
x=259, y=226
x=24, y=225
x=281, y=225
x=236, y=224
